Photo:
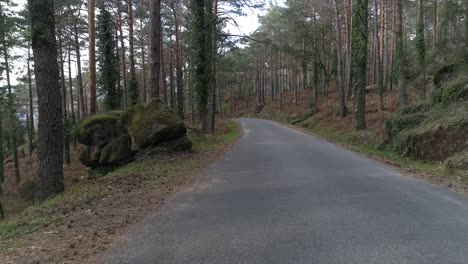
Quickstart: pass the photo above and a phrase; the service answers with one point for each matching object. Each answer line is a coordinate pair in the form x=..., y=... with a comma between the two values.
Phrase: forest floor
x=328, y=125
x=89, y=217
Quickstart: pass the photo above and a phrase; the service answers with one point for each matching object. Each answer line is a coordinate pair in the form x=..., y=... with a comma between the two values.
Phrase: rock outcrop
x=114, y=138
x=435, y=131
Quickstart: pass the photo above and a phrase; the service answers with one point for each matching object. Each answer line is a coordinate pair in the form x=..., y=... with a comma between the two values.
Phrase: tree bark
x=435, y=39
x=400, y=54
x=378, y=64
x=79, y=77
x=66, y=138
x=214, y=47
x=92, y=57
x=339, y=49
x=123, y=61
x=359, y=61
x=11, y=109
x=131, y=40
x=70, y=80
x=50, y=147
x=2, y=174
x=155, y=49
x=179, y=70
x=143, y=64
x=31, y=105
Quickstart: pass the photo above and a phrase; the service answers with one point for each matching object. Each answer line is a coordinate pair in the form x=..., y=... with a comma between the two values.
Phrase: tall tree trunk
x=348, y=23
x=50, y=147
x=123, y=61
x=435, y=39
x=143, y=64
x=79, y=77
x=339, y=49
x=70, y=80
x=281, y=81
x=359, y=59
x=214, y=58
x=171, y=76
x=378, y=64
x=31, y=105
x=383, y=33
x=163, y=80
x=400, y=54
x=179, y=70
x=2, y=174
x=155, y=49
x=133, y=82
x=11, y=109
x=421, y=43
x=72, y=102
x=66, y=138
x=272, y=70
x=92, y=57
x=392, y=46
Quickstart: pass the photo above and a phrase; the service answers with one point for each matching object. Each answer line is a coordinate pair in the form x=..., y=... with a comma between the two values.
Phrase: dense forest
x=83, y=57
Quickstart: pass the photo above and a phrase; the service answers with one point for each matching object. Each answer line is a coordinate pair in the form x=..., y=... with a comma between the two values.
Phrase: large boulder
x=96, y=132
x=153, y=123
x=117, y=152
x=114, y=138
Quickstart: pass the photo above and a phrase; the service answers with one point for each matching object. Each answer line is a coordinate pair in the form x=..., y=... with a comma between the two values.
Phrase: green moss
x=446, y=72
x=85, y=129
x=452, y=91
x=120, y=150
x=153, y=123
x=105, y=153
x=399, y=122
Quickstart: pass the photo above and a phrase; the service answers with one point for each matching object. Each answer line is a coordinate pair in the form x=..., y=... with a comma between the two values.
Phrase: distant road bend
x=281, y=196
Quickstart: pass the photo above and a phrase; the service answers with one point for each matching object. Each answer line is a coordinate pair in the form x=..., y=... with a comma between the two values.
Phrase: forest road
x=281, y=196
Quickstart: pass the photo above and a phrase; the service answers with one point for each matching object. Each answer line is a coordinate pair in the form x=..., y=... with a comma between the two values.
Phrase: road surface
x=281, y=196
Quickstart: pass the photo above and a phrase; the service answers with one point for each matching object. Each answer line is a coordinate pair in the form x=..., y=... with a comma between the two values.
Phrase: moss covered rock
x=117, y=152
x=429, y=132
x=98, y=129
x=113, y=138
x=152, y=123
x=434, y=143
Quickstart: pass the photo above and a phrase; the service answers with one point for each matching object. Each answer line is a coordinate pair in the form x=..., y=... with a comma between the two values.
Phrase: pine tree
x=7, y=26
x=400, y=54
x=420, y=41
x=359, y=61
x=108, y=60
x=50, y=132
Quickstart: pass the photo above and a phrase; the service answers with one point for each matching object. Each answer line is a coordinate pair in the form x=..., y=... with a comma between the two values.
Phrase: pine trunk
x=79, y=77
x=339, y=49
x=11, y=110
x=31, y=105
x=359, y=61
x=155, y=48
x=400, y=54
x=133, y=82
x=50, y=147
x=92, y=57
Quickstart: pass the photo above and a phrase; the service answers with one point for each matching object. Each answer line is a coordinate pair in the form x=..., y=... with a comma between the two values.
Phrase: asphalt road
x=281, y=196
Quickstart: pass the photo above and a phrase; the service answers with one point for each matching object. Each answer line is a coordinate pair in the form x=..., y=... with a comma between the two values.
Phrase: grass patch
x=351, y=141
x=48, y=213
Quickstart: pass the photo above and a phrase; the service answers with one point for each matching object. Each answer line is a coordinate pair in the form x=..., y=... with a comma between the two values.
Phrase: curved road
x=281, y=196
